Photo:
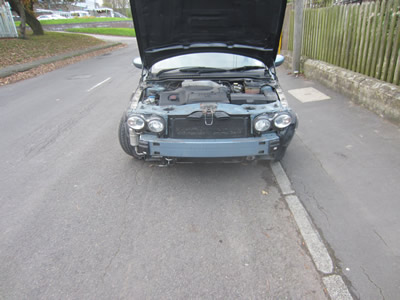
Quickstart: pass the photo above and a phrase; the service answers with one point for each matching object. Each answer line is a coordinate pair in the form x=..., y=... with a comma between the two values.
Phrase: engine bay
x=180, y=92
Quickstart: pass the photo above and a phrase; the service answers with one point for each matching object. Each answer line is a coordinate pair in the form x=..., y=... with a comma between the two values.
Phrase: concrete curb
x=314, y=243
x=109, y=24
x=10, y=70
x=334, y=283
x=378, y=96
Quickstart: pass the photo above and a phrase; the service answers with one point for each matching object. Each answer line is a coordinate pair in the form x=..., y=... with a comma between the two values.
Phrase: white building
x=89, y=4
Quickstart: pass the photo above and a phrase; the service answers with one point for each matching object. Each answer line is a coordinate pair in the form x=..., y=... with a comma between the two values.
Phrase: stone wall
x=378, y=96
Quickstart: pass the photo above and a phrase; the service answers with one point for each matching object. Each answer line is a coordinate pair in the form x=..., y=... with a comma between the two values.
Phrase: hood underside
x=166, y=28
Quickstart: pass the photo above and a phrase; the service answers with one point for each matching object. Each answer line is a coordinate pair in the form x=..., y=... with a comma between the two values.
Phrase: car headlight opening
x=262, y=124
x=136, y=122
x=283, y=121
x=155, y=125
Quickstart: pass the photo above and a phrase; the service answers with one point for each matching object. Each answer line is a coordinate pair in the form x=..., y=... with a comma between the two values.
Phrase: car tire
x=124, y=139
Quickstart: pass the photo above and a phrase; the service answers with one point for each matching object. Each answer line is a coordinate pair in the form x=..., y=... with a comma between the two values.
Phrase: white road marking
x=334, y=283
x=309, y=94
x=99, y=84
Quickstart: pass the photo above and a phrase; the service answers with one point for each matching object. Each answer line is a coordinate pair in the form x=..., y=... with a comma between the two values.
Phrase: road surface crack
x=46, y=135
x=381, y=238
x=319, y=206
x=370, y=280
x=315, y=157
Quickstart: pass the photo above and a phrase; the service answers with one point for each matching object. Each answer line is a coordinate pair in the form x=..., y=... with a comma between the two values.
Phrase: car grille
x=181, y=127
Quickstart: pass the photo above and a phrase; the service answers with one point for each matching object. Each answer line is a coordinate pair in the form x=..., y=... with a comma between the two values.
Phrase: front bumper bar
x=208, y=148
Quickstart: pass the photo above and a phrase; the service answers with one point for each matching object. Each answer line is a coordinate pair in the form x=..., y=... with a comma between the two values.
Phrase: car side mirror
x=279, y=60
x=137, y=62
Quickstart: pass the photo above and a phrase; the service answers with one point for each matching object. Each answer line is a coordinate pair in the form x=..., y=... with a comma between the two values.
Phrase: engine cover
x=195, y=92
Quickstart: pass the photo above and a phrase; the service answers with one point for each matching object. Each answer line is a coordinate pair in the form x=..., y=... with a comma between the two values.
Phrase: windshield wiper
x=200, y=70
x=246, y=68
x=166, y=70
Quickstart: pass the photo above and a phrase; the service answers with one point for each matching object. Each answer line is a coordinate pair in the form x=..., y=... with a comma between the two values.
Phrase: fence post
x=395, y=56
x=390, y=39
x=298, y=34
x=383, y=40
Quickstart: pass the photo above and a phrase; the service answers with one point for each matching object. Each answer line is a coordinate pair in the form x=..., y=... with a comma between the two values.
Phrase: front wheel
x=124, y=141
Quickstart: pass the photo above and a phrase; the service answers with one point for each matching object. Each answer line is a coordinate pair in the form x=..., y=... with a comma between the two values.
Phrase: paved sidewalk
x=344, y=165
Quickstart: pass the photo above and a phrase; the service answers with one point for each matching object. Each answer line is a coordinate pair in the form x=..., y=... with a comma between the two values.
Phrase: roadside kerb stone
x=336, y=288
x=334, y=283
x=313, y=241
x=10, y=70
x=282, y=179
x=109, y=24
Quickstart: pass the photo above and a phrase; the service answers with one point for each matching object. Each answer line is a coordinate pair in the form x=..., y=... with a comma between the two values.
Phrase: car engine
x=208, y=91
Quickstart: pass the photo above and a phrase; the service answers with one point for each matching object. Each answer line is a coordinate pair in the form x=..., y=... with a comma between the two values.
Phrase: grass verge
x=78, y=21
x=44, y=68
x=105, y=31
x=36, y=47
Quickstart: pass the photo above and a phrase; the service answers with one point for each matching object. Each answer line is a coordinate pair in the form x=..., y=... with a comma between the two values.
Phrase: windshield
x=206, y=60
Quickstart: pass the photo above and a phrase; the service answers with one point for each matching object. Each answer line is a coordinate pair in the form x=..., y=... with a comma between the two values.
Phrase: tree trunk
x=22, y=26
x=34, y=23
x=30, y=18
x=29, y=5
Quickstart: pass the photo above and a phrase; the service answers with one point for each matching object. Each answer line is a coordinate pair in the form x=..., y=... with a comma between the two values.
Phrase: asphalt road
x=79, y=219
x=344, y=164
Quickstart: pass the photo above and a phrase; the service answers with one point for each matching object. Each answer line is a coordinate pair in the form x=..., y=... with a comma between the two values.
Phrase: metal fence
x=363, y=38
x=7, y=25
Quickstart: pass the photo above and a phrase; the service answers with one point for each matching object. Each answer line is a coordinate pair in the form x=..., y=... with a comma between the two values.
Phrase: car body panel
x=183, y=110
x=168, y=28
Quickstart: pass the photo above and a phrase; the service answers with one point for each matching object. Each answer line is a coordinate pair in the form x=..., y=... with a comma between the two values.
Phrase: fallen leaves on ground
x=53, y=66
x=18, y=51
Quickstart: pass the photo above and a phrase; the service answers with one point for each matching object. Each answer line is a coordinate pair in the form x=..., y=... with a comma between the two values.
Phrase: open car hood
x=166, y=28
